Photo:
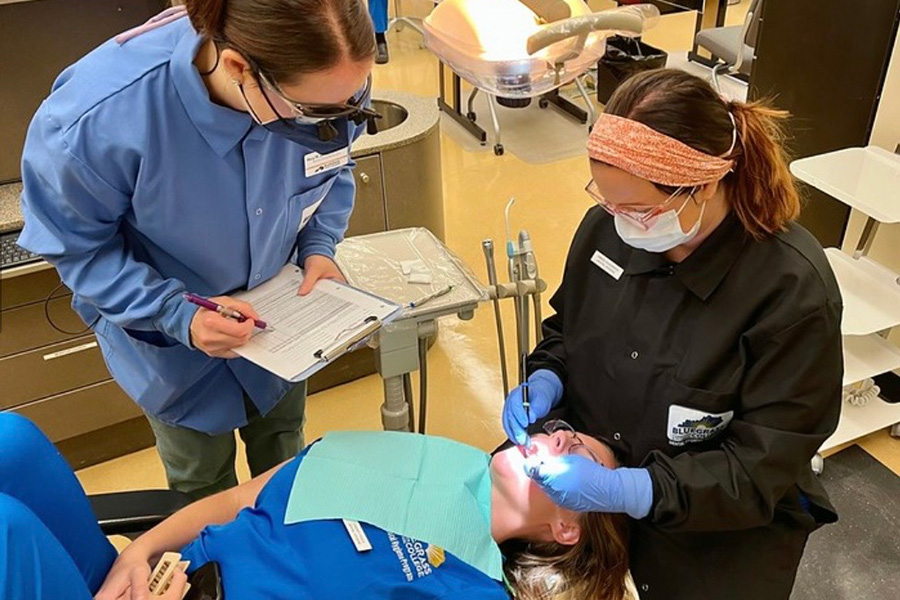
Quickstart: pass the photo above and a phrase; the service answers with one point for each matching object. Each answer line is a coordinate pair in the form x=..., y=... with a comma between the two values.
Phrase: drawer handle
x=364, y=177
x=72, y=350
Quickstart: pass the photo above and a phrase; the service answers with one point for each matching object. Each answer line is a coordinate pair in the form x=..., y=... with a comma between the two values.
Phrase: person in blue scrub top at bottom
x=54, y=549
x=185, y=156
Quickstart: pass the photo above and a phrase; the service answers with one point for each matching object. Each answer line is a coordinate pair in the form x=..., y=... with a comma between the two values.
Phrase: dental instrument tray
x=525, y=49
x=407, y=266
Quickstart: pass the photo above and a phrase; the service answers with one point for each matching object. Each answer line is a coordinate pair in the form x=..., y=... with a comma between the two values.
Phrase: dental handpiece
x=527, y=251
x=526, y=403
x=488, y=248
x=531, y=272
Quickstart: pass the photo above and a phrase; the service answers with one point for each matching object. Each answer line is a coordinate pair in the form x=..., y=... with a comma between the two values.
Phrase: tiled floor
x=464, y=377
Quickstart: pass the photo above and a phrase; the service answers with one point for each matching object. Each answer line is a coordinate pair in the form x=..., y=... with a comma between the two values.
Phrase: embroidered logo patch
x=688, y=425
x=436, y=555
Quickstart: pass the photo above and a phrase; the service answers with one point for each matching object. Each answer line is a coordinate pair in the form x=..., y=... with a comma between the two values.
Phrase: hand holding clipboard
x=312, y=330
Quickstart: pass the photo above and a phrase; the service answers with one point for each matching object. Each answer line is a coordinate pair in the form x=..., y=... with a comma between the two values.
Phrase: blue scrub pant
x=378, y=10
x=50, y=544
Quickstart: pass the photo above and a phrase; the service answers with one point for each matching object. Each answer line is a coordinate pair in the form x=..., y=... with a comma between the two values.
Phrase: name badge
x=317, y=164
x=309, y=211
x=605, y=263
x=688, y=425
x=357, y=535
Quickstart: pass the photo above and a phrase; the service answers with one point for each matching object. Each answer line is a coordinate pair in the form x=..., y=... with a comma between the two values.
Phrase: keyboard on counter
x=11, y=254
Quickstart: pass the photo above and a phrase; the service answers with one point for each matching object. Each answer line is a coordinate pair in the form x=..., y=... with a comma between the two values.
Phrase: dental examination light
x=513, y=51
x=524, y=49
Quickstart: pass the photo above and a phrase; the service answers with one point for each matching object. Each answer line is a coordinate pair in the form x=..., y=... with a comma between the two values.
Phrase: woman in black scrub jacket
x=697, y=331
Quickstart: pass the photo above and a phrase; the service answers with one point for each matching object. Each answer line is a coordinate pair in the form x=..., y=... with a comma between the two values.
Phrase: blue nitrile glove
x=545, y=390
x=580, y=484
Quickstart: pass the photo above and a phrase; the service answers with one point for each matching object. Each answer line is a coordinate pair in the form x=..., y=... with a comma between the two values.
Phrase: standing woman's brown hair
x=287, y=37
x=760, y=188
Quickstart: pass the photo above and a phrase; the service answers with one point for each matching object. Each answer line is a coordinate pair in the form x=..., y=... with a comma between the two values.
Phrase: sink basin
x=392, y=114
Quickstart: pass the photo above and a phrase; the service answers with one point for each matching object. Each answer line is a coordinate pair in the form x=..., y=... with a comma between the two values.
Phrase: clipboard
x=370, y=325
x=309, y=332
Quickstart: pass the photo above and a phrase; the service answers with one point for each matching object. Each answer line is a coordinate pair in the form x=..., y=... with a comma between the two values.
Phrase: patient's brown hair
x=594, y=568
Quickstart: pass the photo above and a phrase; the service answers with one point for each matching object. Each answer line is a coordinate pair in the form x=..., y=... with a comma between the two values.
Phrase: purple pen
x=223, y=310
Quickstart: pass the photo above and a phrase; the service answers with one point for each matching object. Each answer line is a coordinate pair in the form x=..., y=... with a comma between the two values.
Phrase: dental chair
x=132, y=513
x=733, y=46
x=516, y=50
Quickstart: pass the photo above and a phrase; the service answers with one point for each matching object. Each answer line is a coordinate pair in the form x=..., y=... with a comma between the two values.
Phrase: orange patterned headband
x=651, y=155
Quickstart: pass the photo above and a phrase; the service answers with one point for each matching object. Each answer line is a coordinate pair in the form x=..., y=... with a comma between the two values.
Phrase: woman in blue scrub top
x=54, y=549
x=182, y=157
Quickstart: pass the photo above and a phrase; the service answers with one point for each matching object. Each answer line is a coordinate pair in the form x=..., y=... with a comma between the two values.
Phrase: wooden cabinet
x=51, y=370
x=369, y=210
x=26, y=327
x=59, y=380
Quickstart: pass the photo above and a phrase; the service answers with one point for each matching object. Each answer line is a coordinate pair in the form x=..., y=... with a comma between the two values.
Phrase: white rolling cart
x=868, y=180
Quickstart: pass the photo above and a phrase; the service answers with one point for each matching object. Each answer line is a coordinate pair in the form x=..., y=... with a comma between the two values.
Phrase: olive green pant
x=200, y=464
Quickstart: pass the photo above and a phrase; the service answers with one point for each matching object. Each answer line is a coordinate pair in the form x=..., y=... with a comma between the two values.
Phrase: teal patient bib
x=426, y=488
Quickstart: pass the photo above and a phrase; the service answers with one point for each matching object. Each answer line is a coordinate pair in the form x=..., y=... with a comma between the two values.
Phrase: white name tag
x=316, y=163
x=308, y=212
x=611, y=268
x=688, y=425
x=360, y=541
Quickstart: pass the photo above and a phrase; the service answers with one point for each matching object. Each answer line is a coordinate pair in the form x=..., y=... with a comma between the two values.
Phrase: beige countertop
x=10, y=215
x=423, y=118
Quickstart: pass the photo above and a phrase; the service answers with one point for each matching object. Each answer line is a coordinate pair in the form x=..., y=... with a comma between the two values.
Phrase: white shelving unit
x=870, y=293
x=867, y=356
x=868, y=180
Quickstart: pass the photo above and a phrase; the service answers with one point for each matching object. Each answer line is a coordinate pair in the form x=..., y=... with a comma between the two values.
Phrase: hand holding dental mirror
x=544, y=392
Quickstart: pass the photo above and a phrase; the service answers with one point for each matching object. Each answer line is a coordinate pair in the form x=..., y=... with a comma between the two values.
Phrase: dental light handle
x=628, y=20
x=487, y=247
x=549, y=10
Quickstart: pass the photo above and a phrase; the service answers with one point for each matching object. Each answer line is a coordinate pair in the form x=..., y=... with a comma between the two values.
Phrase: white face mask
x=662, y=235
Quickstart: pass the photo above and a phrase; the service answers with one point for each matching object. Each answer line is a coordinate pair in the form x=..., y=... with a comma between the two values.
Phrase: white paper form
x=304, y=325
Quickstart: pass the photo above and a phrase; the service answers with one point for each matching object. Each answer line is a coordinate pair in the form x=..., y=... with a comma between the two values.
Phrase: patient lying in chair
x=270, y=542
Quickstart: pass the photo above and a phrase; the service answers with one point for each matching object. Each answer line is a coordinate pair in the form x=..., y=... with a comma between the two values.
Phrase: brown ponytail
x=760, y=188
x=287, y=38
